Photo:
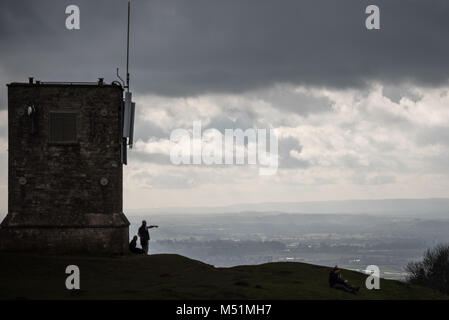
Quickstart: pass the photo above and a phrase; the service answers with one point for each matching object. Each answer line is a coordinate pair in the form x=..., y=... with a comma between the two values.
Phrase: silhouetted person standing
x=145, y=235
x=133, y=246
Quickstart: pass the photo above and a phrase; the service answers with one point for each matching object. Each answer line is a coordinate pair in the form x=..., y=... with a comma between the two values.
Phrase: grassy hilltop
x=169, y=276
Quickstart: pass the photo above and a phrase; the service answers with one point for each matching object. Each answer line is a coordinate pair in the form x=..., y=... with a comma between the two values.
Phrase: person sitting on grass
x=133, y=246
x=336, y=282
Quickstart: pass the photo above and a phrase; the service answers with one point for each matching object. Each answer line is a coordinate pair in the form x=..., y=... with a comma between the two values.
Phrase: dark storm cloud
x=222, y=123
x=146, y=129
x=192, y=47
x=302, y=103
x=286, y=145
x=396, y=93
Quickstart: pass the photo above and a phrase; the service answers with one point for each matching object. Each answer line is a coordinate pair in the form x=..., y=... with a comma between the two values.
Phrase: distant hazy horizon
x=437, y=207
x=352, y=241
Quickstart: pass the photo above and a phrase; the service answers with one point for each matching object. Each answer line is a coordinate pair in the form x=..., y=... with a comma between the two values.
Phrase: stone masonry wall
x=54, y=186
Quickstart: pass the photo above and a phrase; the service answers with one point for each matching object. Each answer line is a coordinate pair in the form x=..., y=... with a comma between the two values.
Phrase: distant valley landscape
x=386, y=233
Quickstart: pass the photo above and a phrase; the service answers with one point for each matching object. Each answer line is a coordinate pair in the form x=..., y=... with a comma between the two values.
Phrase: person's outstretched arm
x=153, y=226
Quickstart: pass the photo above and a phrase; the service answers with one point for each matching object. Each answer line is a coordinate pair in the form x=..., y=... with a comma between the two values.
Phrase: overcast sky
x=359, y=114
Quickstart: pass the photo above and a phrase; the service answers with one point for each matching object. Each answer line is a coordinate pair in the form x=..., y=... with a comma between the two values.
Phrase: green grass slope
x=168, y=276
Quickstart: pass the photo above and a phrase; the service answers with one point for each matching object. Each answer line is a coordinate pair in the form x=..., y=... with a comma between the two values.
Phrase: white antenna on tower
x=127, y=48
x=128, y=106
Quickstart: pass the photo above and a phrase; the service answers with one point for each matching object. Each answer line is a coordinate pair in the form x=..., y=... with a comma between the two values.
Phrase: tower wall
x=64, y=196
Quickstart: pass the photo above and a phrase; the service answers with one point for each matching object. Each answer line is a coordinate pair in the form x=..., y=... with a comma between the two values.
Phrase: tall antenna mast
x=127, y=48
x=129, y=106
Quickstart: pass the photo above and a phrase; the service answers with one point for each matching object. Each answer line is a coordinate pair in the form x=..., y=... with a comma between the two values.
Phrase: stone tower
x=66, y=154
